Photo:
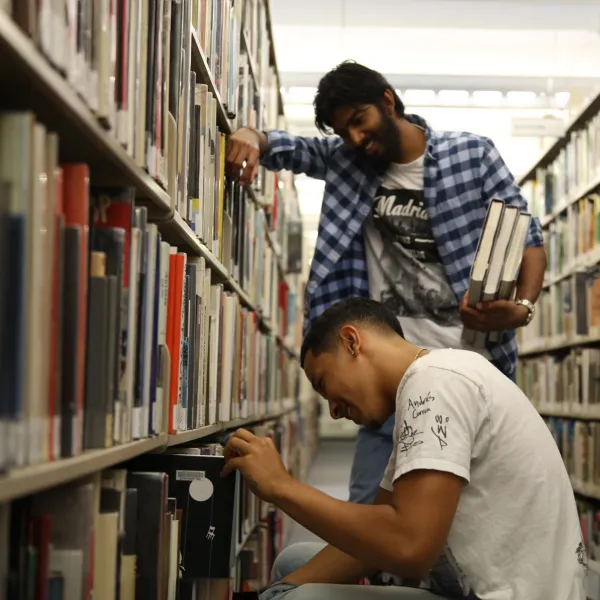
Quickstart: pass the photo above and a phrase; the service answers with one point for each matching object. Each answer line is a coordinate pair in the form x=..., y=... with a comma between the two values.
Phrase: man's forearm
x=531, y=275
x=330, y=566
x=368, y=533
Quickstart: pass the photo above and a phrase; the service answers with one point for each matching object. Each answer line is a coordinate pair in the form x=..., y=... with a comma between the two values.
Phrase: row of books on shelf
x=131, y=63
x=568, y=311
x=158, y=527
x=570, y=175
x=579, y=445
x=108, y=332
x=572, y=240
x=567, y=385
x=135, y=64
x=589, y=518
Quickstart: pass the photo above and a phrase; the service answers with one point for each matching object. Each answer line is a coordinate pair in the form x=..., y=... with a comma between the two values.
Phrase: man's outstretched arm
x=248, y=148
x=404, y=538
x=331, y=565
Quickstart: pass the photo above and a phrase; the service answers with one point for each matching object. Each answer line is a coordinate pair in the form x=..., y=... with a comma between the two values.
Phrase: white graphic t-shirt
x=516, y=534
x=405, y=270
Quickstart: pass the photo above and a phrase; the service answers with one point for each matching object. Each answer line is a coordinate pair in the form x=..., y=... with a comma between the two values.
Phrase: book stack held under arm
x=497, y=262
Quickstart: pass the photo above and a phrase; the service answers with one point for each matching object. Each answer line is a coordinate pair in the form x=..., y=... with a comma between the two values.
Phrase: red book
x=76, y=183
x=176, y=274
x=42, y=527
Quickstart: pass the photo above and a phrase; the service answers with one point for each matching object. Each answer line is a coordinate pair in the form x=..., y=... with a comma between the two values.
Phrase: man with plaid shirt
x=402, y=214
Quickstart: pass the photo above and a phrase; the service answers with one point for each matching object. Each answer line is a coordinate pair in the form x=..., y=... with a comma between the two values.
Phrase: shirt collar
x=429, y=133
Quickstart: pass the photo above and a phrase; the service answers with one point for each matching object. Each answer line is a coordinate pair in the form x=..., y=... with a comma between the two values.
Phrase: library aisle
x=330, y=473
x=152, y=301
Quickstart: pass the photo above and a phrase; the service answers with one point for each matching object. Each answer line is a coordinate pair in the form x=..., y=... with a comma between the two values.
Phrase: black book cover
x=141, y=220
x=131, y=508
x=152, y=73
x=96, y=397
x=175, y=57
x=111, y=241
x=71, y=311
x=192, y=386
x=152, y=487
x=207, y=500
x=155, y=411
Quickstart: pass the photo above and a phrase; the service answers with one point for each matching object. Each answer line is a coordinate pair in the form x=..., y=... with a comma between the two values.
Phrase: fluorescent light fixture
x=487, y=97
x=417, y=97
x=521, y=98
x=562, y=99
x=453, y=96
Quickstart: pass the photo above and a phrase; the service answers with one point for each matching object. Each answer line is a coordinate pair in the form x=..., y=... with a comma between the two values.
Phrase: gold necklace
x=417, y=355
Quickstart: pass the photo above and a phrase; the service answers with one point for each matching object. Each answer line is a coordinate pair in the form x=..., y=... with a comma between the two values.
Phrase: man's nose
x=355, y=137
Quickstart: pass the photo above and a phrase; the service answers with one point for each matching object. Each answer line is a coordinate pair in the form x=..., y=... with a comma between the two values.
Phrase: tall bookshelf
x=146, y=306
x=559, y=352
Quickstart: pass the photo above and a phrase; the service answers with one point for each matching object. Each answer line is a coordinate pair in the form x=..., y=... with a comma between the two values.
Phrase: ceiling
x=500, y=46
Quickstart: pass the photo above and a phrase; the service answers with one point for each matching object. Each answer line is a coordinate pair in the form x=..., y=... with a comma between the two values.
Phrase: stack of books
x=497, y=262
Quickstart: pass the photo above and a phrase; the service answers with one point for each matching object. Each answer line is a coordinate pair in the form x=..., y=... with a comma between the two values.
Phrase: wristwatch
x=529, y=306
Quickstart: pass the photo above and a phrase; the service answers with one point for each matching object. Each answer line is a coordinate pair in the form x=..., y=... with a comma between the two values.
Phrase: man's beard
x=388, y=137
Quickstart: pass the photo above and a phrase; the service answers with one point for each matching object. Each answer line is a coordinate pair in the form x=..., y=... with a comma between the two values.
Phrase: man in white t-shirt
x=474, y=474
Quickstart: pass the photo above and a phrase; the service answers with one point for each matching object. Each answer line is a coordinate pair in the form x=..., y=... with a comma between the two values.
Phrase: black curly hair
x=350, y=84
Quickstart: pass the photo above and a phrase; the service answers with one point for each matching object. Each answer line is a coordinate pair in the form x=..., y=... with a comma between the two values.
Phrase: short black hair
x=323, y=333
x=350, y=84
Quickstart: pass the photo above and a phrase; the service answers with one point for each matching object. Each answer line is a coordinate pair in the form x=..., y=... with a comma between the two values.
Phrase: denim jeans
x=293, y=557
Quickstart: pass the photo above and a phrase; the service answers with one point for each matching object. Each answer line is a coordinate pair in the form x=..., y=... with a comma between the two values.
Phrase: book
x=496, y=244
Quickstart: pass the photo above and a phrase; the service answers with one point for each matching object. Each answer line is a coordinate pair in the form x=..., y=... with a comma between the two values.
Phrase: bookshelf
x=155, y=289
x=559, y=351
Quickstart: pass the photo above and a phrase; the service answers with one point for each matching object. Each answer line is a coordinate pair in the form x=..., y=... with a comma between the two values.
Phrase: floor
x=330, y=473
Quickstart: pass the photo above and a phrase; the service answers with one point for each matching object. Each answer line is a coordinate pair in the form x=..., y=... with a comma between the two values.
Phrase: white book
x=16, y=140
x=227, y=357
x=37, y=353
x=501, y=246
x=70, y=564
x=128, y=117
x=215, y=349
x=105, y=38
x=197, y=370
x=163, y=303
x=484, y=250
x=512, y=264
x=51, y=157
x=480, y=267
x=203, y=100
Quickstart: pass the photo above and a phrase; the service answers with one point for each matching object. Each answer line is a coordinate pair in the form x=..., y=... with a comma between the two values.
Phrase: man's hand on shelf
x=258, y=461
x=243, y=154
x=497, y=315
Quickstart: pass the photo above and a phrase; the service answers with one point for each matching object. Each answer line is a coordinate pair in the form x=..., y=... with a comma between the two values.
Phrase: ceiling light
x=487, y=97
x=521, y=98
x=453, y=96
x=418, y=97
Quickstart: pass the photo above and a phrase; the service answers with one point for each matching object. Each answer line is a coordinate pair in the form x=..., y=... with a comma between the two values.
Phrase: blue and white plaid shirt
x=462, y=173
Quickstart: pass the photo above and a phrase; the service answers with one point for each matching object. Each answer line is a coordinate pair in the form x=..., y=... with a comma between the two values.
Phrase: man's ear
x=389, y=102
x=350, y=339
